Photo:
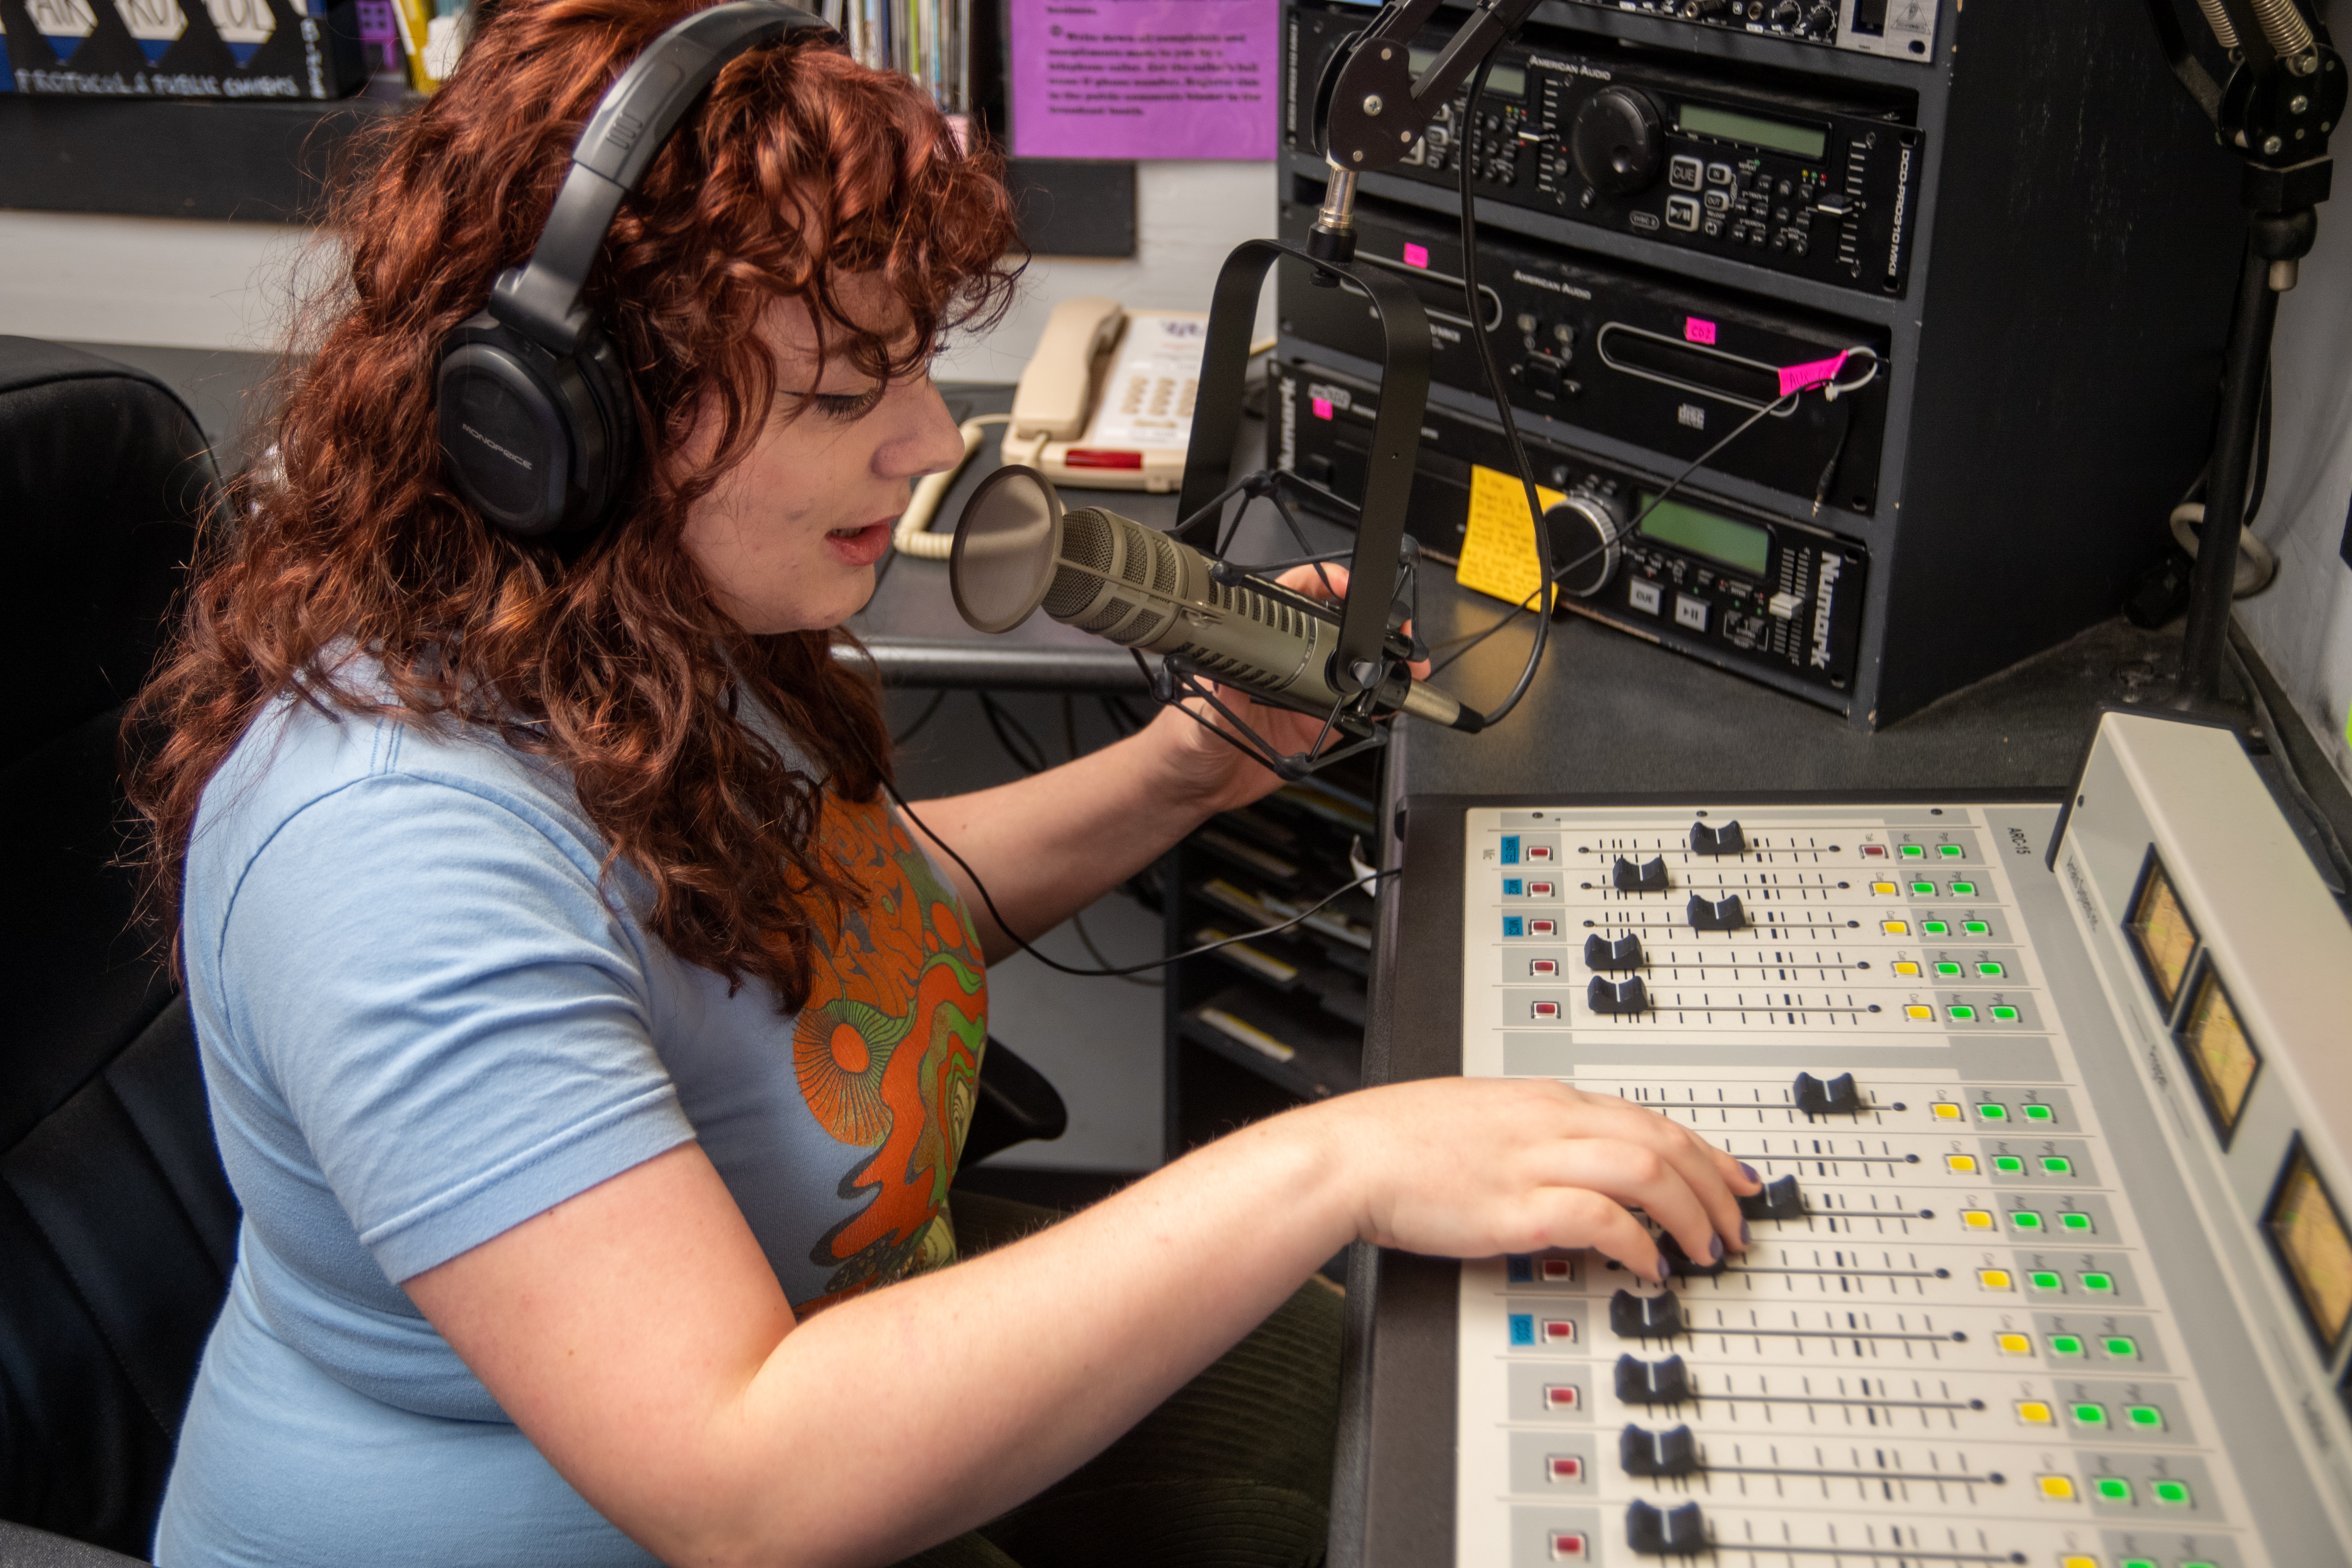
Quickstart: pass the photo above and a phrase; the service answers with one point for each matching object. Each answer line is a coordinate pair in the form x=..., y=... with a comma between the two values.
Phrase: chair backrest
x=117, y=1225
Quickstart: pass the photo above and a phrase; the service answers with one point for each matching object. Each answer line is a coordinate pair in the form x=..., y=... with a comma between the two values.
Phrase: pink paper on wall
x=1144, y=79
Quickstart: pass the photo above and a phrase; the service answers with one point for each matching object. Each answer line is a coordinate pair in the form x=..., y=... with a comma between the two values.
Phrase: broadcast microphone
x=1017, y=549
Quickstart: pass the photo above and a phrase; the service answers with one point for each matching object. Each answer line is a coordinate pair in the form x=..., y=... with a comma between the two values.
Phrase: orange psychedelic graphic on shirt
x=888, y=1048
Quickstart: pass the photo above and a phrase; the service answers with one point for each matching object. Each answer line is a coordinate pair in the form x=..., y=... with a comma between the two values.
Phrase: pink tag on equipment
x=1797, y=378
x=1697, y=330
x=1416, y=255
x=1322, y=405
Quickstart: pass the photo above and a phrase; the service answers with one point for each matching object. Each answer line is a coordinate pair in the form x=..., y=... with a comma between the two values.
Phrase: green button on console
x=2026, y=1220
x=1948, y=969
x=2113, y=1489
x=2004, y=1013
x=1992, y=1111
x=1936, y=927
x=2039, y=1113
x=1924, y=890
x=1913, y=852
x=2066, y=1345
x=2144, y=1417
x=1950, y=851
x=2145, y=1563
x=1963, y=1014
x=2122, y=1347
x=1976, y=928
x=1964, y=889
x=2090, y=1415
x=2175, y=1493
x=2008, y=1164
x=2075, y=1222
x=2099, y=1283
x=2043, y=1280
x=1990, y=970
x=2057, y=1165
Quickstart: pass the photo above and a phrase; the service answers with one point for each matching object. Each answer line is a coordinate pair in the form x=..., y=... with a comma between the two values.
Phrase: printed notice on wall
x=1144, y=79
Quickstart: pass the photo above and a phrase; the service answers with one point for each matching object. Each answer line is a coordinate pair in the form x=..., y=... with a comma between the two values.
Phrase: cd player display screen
x=1739, y=544
x=1698, y=120
x=1504, y=82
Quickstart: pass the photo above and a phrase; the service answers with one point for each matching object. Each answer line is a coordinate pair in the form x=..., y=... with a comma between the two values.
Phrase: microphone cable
x=1366, y=877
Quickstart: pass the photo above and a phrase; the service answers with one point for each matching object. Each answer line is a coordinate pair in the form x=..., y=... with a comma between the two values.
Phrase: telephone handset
x=1106, y=400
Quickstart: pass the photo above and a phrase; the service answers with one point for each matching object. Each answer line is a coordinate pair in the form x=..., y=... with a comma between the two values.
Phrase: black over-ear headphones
x=538, y=429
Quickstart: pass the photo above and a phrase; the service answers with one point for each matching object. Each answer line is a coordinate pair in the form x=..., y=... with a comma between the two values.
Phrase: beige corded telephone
x=1106, y=402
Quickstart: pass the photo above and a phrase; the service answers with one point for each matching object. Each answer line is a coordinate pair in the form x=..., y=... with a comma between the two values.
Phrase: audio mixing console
x=2046, y=1269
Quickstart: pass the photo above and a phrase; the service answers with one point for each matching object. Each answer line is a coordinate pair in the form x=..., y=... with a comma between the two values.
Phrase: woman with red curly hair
x=588, y=1042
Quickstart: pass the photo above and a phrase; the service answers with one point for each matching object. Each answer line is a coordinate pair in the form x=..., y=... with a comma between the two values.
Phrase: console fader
x=2019, y=1292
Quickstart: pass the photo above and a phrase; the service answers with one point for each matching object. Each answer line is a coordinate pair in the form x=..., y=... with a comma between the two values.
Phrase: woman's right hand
x=1474, y=1167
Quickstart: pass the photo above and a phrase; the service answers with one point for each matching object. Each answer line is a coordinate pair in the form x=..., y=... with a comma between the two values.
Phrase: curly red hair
x=798, y=169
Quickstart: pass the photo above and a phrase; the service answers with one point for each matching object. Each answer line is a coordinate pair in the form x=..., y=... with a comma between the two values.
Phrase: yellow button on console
x=2014, y=1344
x=2034, y=1412
x=1896, y=928
x=1976, y=1219
x=1961, y=1164
x=1884, y=889
x=1943, y=1110
x=1905, y=967
x=2055, y=1489
x=2076, y=1560
x=1924, y=1015
x=1994, y=1279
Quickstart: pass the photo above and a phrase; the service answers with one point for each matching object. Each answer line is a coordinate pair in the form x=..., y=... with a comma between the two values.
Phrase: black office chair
x=116, y=1224
x=118, y=1228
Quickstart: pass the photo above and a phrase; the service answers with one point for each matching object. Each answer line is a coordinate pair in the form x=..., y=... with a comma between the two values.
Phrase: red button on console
x=1567, y=1546
x=1559, y=1330
x=1560, y=1396
x=1543, y=968
x=1546, y=1009
x=1538, y=851
x=1566, y=1468
x=1542, y=928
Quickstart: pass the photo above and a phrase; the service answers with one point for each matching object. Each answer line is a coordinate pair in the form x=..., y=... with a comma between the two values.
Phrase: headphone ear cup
x=541, y=444
x=506, y=438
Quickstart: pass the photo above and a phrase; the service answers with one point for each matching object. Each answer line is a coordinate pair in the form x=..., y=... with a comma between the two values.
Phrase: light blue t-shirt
x=423, y=1022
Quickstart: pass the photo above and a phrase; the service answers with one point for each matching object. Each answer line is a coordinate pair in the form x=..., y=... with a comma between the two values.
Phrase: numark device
x=2051, y=1266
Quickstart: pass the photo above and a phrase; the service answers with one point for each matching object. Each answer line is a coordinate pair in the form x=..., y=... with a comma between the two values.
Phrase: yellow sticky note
x=1498, y=549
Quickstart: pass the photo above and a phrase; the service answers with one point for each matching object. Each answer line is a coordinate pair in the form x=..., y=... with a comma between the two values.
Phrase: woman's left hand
x=1216, y=776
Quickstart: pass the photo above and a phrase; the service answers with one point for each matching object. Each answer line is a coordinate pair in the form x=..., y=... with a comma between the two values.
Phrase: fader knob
x=1585, y=531
x=1649, y=877
x=1726, y=839
x=1617, y=998
x=1780, y=1199
x=1671, y=1453
x=1681, y=1262
x=1835, y=1098
x=1642, y=1381
x=1613, y=954
x=1616, y=140
x=1677, y=1532
x=1715, y=914
x=1633, y=1316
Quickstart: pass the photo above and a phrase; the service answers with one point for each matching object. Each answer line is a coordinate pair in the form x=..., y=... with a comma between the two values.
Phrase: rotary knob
x=1705, y=10
x=1586, y=530
x=1617, y=140
x=1821, y=22
x=1787, y=14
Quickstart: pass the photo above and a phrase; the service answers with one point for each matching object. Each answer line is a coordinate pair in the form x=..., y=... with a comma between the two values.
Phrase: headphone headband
x=542, y=298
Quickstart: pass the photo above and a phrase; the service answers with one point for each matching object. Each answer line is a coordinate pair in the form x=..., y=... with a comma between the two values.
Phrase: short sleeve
x=431, y=981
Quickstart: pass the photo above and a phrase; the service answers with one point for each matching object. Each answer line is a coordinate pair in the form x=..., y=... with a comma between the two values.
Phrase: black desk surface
x=1607, y=713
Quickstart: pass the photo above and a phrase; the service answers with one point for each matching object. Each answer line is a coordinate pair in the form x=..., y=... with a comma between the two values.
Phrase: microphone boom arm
x=1358, y=663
